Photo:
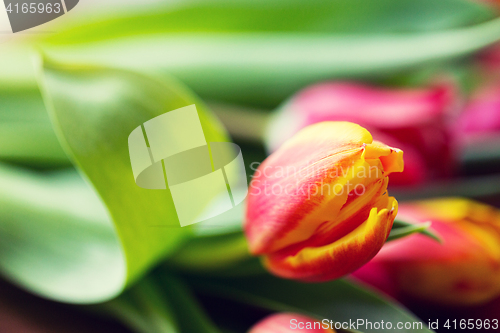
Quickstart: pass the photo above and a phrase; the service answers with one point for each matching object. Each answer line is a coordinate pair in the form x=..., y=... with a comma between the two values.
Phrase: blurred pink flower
x=464, y=270
x=482, y=113
x=415, y=120
x=480, y=118
x=289, y=322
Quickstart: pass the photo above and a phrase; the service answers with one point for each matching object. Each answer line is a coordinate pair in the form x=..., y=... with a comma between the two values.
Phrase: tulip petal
x=391, y=158
x=336, y=259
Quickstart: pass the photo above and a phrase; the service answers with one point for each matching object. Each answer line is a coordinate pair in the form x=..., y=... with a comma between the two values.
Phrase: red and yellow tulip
x=318, y=207
x=290, y=322
x=464, y=270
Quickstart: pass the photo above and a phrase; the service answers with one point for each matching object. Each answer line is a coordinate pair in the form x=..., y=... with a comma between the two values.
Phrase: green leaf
x=156, y=305
x=338, y=300
x=55, y=237
x=313, y=16
x=211, y=253
x=67, y=255
x=217, y=247
x=189, y=313
x=228, y=64
x=143, y=308
x=231, y=67
x=26, y=134
x=402, y=228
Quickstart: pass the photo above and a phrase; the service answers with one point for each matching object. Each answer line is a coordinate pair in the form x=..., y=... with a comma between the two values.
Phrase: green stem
x=159, y=303
x=403, y=228
x=143, y=309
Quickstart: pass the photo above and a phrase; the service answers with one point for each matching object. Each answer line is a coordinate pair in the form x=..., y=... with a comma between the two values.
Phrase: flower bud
x=290, y=322
x=464, y=270
x=414, y=120
x=318, y=207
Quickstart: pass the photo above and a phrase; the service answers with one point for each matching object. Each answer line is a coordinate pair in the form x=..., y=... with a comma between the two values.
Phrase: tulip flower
x=479, y=122
x=464, y=270
x=415, y=120
x=481, y=115
x=318, y=207
x=290, y=322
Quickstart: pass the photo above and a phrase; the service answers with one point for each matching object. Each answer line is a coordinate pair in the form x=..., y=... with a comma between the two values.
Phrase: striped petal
x=320, y=198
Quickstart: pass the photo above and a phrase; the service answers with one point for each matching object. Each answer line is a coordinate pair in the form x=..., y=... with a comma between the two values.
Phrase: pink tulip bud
x=290, y=322
x=415, y=120
x=464, y=270
x=318, y=207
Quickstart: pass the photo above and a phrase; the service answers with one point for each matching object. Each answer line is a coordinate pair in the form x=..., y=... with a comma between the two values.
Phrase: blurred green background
x=72, y=89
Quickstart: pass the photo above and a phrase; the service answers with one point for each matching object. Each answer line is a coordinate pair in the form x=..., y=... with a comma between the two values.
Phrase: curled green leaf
x=58, y=239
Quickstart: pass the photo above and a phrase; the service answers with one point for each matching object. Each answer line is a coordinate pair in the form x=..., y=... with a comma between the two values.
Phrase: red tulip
x=464, y=270
x=290, y=322
x=318, y=207
x=415, y=120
